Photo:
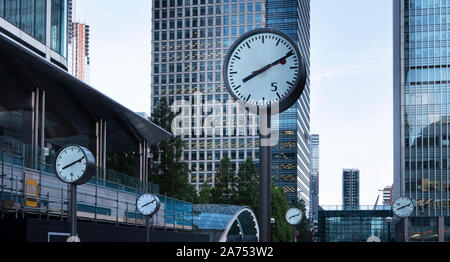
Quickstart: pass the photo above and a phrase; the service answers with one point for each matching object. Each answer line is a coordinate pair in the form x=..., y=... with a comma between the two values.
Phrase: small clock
x=74, y=164
x=148, y=204
x=294, y=216
x=264, y=67
x=403, y=207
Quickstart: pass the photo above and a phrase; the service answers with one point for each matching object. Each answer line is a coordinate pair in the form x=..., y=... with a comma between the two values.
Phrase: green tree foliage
x=248, y=185
x=225, y=188
x=121, y=162
x=166, y=168
x=303, y=228
x=281, y=230
x=205, y=194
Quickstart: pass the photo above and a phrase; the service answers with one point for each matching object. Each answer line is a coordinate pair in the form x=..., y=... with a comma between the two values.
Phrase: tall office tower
x=291, y=156
x=78, y=45
x=190, y=39
x=350, y=188
x=314, y=184
x=387, y=195
x=421, y=116
x=79, y=60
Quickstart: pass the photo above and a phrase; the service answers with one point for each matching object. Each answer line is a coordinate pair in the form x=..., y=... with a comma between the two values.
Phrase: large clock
x=403, y=207
x=148, y=204
x=294, y=216
x=74, y=164
x=264, y=67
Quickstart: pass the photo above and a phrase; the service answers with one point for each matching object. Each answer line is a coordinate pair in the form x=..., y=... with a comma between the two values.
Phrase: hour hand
x=259, y=71
x=71, y=164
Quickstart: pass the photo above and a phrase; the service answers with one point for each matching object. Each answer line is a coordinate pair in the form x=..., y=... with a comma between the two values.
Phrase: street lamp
x=388, y=220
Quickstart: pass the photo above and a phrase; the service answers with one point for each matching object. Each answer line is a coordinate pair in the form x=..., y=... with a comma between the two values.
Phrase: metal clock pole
x=73, y=207
x=147, y=221
x=264, y=178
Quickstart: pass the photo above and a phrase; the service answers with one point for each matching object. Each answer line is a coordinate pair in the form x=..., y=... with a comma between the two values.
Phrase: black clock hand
x=403, y=207
x=294, y=216
x=69, y=165
x=148, y=203
x=279, y=61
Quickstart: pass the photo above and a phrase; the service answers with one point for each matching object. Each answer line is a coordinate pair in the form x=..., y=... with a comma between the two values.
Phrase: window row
x=206, y=10
x=188, y=56
x=206, y=21
x=201, y=33
x=187, y=67
x=187, y=78
x=188, y=89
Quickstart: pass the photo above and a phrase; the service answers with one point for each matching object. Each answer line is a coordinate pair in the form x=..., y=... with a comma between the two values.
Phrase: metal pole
x=73, y=199
x=3, y=165
x=264, y=177
x=293, y=234
x=147, y=224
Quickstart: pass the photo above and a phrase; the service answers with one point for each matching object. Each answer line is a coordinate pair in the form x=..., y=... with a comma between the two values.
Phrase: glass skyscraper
x=40, y=25
x=350, y=188
x=291, y=157
x=190, y=40
x=421, y=116
x=314, y=184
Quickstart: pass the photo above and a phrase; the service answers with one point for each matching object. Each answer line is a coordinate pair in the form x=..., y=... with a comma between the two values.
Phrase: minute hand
x=265, y=68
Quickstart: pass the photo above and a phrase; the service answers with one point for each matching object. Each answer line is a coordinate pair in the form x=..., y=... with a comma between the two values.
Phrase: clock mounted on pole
x=265, y=72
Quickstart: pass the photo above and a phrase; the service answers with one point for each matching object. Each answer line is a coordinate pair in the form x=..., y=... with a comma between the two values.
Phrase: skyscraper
x=291, y=156
x=421, y=116
x=79, y=60
x=314, y=185
x=387, y=195
x=350, y=188
x=78, y=45
x=190, y=39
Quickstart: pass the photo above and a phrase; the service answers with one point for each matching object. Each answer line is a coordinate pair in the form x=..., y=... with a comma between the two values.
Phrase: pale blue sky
x=351, y=80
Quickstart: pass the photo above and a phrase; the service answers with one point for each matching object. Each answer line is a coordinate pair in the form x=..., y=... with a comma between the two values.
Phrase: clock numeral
x=274, y=87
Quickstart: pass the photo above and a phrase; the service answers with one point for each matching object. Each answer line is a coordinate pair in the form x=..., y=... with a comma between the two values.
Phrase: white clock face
x=147, y=204
x=294, y=216
x=71, y=164
x=263, y=69
x=403, y=207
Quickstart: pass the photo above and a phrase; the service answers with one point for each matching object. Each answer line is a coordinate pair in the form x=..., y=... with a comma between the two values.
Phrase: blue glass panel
x=27, y=16
x=12, y=11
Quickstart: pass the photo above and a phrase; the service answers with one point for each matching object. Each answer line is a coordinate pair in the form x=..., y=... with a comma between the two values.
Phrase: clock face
x=71, y=164
x=294, y=216
x=264, y=67
x=148, y=204
x=403, y=207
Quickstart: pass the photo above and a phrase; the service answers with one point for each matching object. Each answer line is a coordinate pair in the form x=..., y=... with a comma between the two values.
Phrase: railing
x=28, y=184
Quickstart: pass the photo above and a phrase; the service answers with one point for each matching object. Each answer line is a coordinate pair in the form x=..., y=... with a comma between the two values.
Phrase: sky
x=351, y=81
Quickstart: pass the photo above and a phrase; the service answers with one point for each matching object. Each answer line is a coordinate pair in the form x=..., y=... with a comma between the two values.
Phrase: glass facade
x=421, y=112
x=58, y=41
x=336, y=224
x=28, y=15
x=31, y=15
x=291, y=156
x=190, y=39
x=240, y=221
x=314, y=185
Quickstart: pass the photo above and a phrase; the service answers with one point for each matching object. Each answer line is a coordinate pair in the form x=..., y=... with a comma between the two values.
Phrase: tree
x=303, y=227
x=282, y=231
x=248, y=185
x=224, y=191
x=166, y=168
x=205, y=194
x=121, y=162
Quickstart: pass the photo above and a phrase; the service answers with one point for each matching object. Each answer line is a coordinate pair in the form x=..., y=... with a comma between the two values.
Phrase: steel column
x=264, y=177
